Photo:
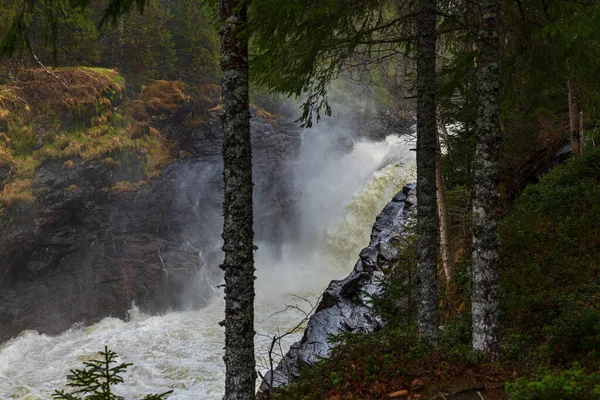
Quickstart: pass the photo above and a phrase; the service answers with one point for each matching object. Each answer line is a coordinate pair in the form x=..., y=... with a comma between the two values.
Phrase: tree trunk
x=121, y=56
x=426, y=160
x=238, y=236
x=574, y=120
x=446, y=252
x=485, y=274
x=582, y=137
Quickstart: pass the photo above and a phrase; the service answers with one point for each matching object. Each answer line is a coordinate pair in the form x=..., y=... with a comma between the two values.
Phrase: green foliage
x=195, y=42
x=97, y=379
x=144, y=49
x=316, y=44
x=550, y=276
x=570, y=384
x=169, y=40
x=55, y=32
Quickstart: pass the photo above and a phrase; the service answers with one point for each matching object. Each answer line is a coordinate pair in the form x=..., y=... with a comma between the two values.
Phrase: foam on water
x=183, y=351
x=179, y=350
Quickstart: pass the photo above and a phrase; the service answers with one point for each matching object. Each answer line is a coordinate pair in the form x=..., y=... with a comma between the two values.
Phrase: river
x=182, y=351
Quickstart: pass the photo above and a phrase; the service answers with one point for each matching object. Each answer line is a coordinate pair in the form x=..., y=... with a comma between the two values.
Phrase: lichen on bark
x=238, y=235
x=485, y=258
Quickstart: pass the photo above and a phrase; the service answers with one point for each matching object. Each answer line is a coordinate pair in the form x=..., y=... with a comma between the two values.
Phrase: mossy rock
x=164, y=97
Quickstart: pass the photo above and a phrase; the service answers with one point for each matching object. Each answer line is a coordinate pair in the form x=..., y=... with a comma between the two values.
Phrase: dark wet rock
x=83, y=251
x=343, y=304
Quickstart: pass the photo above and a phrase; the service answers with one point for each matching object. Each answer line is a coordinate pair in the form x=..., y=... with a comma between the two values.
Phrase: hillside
x=550, y=280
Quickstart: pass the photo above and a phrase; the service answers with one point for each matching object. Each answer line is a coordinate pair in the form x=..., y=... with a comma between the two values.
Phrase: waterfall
x=342, y=192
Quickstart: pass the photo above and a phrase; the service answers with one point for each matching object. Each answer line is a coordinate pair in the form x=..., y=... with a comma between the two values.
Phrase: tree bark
x=426, y=160
x=121, y=56
x=574, y=120
x=238, y=236
x=485, y=258
x=445, y=250
x=582, y=137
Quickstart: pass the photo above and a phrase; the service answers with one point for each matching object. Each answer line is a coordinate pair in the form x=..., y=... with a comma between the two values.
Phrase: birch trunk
x=485, y=265
x=238, y=236
x=426, y=160
x=574, y=120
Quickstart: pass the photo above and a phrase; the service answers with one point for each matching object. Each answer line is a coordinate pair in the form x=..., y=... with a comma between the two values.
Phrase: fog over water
x=342, y=184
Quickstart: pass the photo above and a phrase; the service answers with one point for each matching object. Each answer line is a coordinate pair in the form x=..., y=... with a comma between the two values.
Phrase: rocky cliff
x=343, y=306
x=101, y=235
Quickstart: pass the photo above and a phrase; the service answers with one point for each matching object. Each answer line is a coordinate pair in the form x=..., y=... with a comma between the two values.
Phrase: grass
x=160, y=97
x=76, y=116
x=17, y=192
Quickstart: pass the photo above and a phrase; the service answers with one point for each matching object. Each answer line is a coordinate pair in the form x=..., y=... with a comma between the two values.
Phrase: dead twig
x=275, y=340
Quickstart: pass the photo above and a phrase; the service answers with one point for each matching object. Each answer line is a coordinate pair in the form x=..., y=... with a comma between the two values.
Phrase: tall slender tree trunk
x=238, y=236
x=426, y=160
x=485, y=265
x=574, y=120
x=582, y=137
x=445, y=250
x=121, y=56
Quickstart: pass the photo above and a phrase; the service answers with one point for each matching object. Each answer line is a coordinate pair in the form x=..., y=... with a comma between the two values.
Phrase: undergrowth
x=550, y=310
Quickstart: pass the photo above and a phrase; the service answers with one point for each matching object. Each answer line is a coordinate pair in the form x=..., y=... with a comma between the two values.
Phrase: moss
x=76, y=117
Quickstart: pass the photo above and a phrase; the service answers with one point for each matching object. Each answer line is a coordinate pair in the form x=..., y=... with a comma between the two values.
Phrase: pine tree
x=97, y=380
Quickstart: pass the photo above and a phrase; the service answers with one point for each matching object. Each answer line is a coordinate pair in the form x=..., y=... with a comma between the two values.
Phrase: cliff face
x=97, y=237
x=343, y=306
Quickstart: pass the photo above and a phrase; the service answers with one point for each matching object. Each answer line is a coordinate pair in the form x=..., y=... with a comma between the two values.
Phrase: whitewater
x=182, y=351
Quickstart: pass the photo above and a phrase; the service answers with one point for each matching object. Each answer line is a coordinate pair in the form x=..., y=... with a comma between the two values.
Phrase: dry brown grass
x=124, y=186
x=74, y=90
x=17, y=192
x=159, y=157
x=160, y=97
x=7, y=161
x=264, y=114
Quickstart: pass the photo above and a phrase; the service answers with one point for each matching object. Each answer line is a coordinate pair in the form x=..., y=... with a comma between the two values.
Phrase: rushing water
x=183, y=351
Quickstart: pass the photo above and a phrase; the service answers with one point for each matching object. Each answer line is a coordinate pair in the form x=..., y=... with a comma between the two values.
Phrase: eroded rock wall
x=85, y=250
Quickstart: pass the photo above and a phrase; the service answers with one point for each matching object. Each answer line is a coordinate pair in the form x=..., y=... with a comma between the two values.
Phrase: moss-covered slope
x=78, y=115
